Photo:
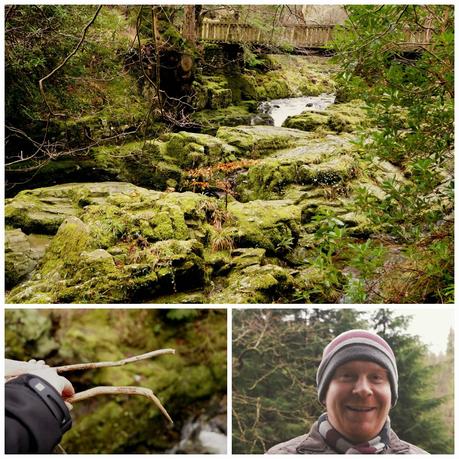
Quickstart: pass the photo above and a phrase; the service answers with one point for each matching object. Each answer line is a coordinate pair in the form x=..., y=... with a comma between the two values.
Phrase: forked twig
x=128, y=390
x=118, y=363
x=113, y=390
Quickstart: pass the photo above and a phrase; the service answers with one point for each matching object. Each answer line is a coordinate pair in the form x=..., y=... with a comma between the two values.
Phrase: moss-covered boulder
x=255, y=284
x=219, y=94
x=41, y=210
x=270, y=225
x=190, y=150
x=288, y=76
x=257, y=141
x=346, y=117
x=233, y=115
x=307, y=121
x=22, y=254
x=129, y=244
x=141, y=163
x=319, y=162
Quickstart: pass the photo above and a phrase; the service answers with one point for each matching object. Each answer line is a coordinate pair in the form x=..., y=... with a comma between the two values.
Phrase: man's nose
x=362, y=387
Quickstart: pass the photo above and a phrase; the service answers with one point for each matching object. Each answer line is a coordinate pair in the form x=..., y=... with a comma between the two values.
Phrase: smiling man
x=357, y=381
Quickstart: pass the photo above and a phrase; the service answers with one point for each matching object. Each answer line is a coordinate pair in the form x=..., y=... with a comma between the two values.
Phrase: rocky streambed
x=244, y=211
x=115, y=242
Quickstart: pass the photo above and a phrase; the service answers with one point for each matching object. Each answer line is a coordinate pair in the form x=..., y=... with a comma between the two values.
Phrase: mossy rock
x=312, y=284
x=41, y=210
x=22, y=254
x=190, y=150
x=255, y=284
x=233, y=115
x=64, y=252
x=129, y=245
x=141, y=163
x=270, y=225
x=316, y=163
x=244, y=257
x=257, y=141
x=214, y=91
x=307, y=121
x=166, y=266
x=219, y=98
x=346, y=117
x=287, y=76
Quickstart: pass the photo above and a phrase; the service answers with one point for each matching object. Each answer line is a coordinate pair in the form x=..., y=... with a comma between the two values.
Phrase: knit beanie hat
x=356, y=345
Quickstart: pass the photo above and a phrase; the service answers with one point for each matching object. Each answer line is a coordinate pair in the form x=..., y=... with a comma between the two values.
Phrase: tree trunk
x=189, y=24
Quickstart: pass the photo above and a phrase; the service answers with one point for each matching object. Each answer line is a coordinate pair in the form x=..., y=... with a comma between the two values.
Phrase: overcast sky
x=432, y=324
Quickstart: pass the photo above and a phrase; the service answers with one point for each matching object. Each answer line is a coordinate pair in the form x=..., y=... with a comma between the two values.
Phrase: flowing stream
x=281, y=109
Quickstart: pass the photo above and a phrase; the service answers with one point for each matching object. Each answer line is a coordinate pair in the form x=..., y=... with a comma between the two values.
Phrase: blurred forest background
x=275, y=357
x=191, y=384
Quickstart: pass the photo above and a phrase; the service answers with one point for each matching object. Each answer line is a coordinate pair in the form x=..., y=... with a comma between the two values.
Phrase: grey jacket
x=313, y=443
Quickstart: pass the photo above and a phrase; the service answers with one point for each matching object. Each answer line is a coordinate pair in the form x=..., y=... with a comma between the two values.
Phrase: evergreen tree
x=415, y=418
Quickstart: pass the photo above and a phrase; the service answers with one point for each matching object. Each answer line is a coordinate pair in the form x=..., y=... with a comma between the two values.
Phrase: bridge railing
x=243, y=33
x=313, y=36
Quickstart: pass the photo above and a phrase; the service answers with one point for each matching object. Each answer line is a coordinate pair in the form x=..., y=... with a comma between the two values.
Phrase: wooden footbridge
x=298, y=36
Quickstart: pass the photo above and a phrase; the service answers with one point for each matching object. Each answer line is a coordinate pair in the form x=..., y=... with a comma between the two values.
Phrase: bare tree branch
x=40, y=83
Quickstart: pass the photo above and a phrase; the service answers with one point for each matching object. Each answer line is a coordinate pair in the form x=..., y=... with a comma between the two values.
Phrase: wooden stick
x=113, y=390
x=87, y=366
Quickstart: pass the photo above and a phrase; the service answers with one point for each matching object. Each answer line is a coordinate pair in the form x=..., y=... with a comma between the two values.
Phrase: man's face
x=358, y=400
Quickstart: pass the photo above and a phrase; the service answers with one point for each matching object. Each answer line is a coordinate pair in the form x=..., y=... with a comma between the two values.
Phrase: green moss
x=265, y=224
x=198, y=383
x=288, y=76
x=39, y=211
x=63, y=255
x=80, y=341
x=256, y=141
x=28, y=334
x=346, y=117
x=307, y=121
x=169, y=224
x=190, y=150
x=254, y=284
x=233, y=115
x=219, y=95
x=312, y=164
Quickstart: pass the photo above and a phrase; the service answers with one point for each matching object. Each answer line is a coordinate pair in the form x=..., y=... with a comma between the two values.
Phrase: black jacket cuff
x=36, y=415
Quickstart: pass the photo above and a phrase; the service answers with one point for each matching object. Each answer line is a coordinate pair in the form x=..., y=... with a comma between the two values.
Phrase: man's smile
x=361, y=409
